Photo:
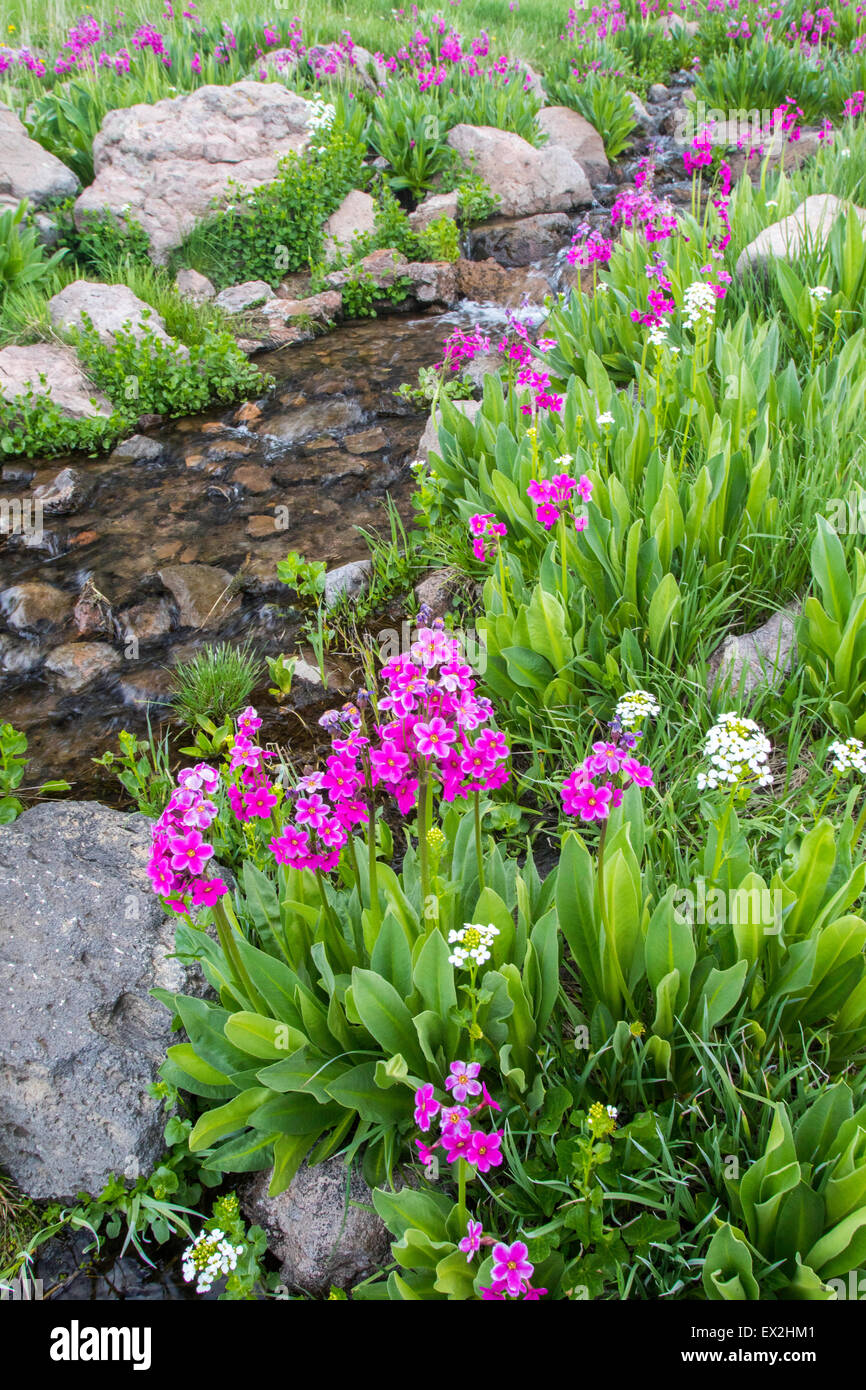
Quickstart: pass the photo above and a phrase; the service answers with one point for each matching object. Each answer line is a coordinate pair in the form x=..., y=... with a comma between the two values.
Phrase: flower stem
x=479, y=853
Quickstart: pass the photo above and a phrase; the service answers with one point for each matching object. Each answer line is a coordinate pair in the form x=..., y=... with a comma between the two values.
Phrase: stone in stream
x=527, y=180
x=33, y=605
x=322, y=1229
x=806, y=228
x=110, y=308
x=752, y=659
x=355, y=216
x=21, y=369
x=18, y=658
x=248, y=295
x=434, y=282
x=570, y=131
x=77, y=664
x=83, y=941
x=145, y=622
x=167, y=163
x=346, y=581
x=67, y=492
x=28, y=170
x=319, y=308
x=137, y=449
x=486, y=282
x=313, y=418
x=383, y=267
x=202, y=593
x=520, y=241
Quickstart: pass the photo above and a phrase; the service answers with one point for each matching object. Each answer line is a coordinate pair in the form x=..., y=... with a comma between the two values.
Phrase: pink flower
x=189, y=853
x=462, y=1080
x=511, y=1268
x=639, y=773
x=471, y=1242
x=485, y=1152
x=433, y=738
x=426, y=1106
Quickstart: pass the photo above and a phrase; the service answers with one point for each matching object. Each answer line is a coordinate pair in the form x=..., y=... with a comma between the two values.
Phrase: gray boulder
x=82, y=941
x=527, y=180
x=346, y=581
x=110, y=308
x=29, y=171
x=573, y=133
x=21, y=369
x=322, y=1229
x=751, y=659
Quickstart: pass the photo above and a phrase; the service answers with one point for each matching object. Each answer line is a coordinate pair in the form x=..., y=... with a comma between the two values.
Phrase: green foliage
x=65, y=122
x=22, y=257
x=13, y=763
x=142, y=768
x=407, y=131
x=602, y=99
x=831, y=635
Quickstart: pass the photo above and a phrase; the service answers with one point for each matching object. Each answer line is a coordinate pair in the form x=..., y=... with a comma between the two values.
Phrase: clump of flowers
x=634, y=707
x=848, y=756
x=471, y=944
x=699, y=304
x=738, y=753
x=602, y=1119
x=557, y=496
x=180, y=855
x=487, y=534
x=208, y=1258
x=591, y=792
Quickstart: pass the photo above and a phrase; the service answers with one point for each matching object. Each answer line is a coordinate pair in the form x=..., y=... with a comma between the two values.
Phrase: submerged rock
x=201, y=592
x=322, y=1229
x=77, y=664
x=83, y=940
x=34, y=605
x=66, y=493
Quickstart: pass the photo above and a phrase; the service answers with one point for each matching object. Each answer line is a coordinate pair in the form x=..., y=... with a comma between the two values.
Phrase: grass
x=216, y=683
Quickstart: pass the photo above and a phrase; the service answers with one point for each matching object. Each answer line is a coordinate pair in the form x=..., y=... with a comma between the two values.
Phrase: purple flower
x=471, y=1242
x=511, y=1267
x=426, y=1106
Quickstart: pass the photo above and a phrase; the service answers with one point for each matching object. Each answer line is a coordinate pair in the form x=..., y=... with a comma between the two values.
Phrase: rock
x=92, y=614
x=809, y=225
x=246, y=296
x=146, y=622
x=313, y=418
x=658, y=92
x=346, y=581
x=533, y=82
x=485, y=282
x=297, y=285
x=355, y=216
x=110, y=309
x=568, y=130
x=29, y=171
x=83, y=940
x=484, y=365
x=520, y=241
x=66, y=493
x=248, y=414
x=191, y=285
x=137, y=449
x=642, y=117
x=253, y=478
x=756, y=658
x=526, y=180
x=18, y=658
x=433, y=282
x=201, y=592
x=429, y=441
x=146, y=685
x=322, y=1234
x=434, y=206
x=320, y=308
x=383, y=267
x=262, y=527
x=436, y=590
x=33, y=605
x=65, y=382
x=168, y=162
x=77, y=664
x=367, y=442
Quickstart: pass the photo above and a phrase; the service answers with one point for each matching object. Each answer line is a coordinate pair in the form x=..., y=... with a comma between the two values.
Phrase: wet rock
x=433, y=282
x=431, y=208
x=320, y=308
x=201, y=592
x=429, y=441
x=65, y=381
x=262, y=527
x=346, y=581
x=83, y=941
x=757, y=658
x=110, y=308
x=519, y=242
x=237, y=298
x=527, y=180
x=437, y=589
x=146, y=622
x=77, y=664
x=29, y=171
x=568, y=130
x=253, y=478
x=92, y=614
x=248, y=414
x=321, y=1233
x=169, y=161
x=144, y=685
x=17, y=472
x=486, y=282
x=367, y=442
x=355, y=216
x=809, y=225
x=313, y=418
x=658, y=92
x=34, y=605
x=643, y=118
x=18, y=658
x=66, y=493
x=194, y=286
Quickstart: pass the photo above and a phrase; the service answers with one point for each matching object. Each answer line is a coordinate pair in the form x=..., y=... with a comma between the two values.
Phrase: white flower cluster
x=738, y=753
x=634, y=706
x=820, y=292
x=699, y=303
x=322, y=115
x=605, y=418
x=209, y=1257
x=471, y=944
x=849, y=756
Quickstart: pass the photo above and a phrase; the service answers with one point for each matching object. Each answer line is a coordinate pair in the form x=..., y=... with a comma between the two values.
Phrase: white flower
x=771, y=203
x=471, y=944
x=658, y=337
x=635, y=706
x=210, y=1256
x=605, y=419
x=845, y=154
x=612, y=1111
x=849, y=756
x=738, y=752
x=699, y=303
x=820, y=292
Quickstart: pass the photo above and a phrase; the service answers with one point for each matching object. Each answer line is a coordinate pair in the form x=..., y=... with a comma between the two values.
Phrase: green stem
x=225, y=932
x=423, y=848
x=461, y=1191
x=479, y=853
